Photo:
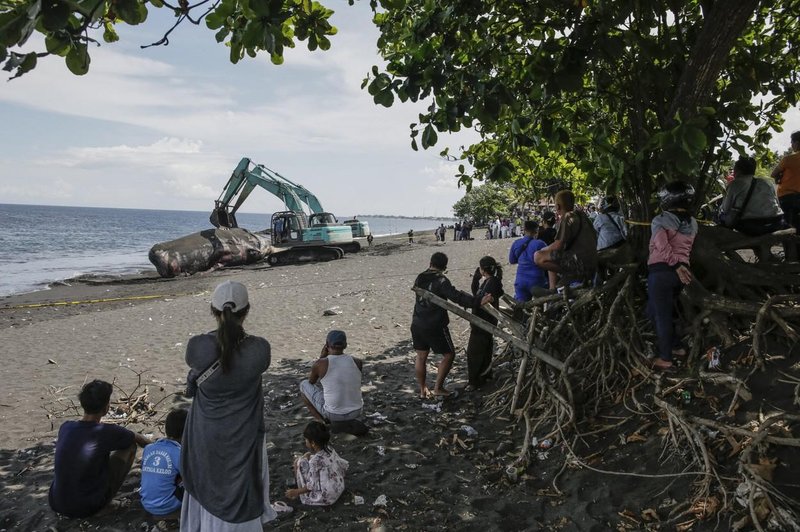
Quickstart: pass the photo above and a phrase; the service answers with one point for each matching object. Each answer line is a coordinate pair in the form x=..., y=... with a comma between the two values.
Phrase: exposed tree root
x=581, y=352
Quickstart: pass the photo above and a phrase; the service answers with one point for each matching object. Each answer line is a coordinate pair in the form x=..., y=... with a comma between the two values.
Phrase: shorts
x=316, y=396
x=570, y=266
x=436, y=340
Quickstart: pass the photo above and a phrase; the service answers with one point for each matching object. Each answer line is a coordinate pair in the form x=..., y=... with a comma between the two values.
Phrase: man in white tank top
x=332, y=391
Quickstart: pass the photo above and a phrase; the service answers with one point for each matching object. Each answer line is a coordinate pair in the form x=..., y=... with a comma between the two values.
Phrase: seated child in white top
x=319, y=473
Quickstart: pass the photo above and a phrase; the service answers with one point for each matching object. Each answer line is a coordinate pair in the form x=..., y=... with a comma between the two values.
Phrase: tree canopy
x=625, y=93
x=633, y=93
x=247, y=27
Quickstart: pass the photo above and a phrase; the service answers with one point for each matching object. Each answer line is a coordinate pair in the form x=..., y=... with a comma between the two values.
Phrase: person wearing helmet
x=609, y=224
x=672, y=236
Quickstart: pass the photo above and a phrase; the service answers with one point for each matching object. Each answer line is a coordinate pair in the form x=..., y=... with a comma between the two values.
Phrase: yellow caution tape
x=88, y=301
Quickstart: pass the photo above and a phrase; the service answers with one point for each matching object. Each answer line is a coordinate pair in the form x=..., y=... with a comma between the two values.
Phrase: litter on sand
x=436, y=407
x=469, y=431
x=358, y=500
x=380, y=501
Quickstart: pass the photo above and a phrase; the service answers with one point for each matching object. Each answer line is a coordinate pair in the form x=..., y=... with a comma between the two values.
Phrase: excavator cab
x=322, y=219
x=287, y=228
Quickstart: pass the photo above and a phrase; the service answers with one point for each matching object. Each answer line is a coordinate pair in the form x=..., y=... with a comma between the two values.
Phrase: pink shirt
x=671, y=239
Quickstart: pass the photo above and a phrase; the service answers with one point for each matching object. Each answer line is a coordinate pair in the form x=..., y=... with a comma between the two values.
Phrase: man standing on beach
x=332, y=391
x=429, y=324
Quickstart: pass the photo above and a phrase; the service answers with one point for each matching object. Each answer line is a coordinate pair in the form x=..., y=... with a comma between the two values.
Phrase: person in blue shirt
x=162, y=488
x=529, y=275
x=92, y=458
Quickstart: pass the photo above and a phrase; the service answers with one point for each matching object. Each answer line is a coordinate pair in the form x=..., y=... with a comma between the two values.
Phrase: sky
x=163, y=127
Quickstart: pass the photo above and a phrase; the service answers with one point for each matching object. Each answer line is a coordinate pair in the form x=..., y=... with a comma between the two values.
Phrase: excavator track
x=305, y=254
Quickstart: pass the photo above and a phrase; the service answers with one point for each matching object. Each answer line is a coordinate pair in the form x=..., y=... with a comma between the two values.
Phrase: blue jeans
x=663, y=288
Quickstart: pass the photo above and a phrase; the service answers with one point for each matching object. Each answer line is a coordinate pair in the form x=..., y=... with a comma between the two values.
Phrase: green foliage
x=247, y=27
x=621, y=90
x=484, y=202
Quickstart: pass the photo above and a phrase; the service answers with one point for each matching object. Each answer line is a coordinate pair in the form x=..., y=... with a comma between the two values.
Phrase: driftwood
x=579, y=353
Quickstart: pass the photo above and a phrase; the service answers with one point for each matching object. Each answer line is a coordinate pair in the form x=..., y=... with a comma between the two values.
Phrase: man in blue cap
x=332, y=391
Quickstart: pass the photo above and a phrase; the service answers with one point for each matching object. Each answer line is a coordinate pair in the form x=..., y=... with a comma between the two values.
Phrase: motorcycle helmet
x=676, y=195
x=609, y=204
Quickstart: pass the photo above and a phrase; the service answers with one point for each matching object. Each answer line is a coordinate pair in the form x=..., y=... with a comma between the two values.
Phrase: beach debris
x=381, y=450
x=542, y=456
x=51, y=361
x=358, y=500
x=380, y=501
x=546, y=443
x=469, y=430
x=435, y=407
x=713, y=356
x=412, y=466
x=377, y=417
x=512, y=473
x=333, y=311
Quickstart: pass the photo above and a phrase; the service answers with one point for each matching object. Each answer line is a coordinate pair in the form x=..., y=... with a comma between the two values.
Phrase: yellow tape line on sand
x=88, y=301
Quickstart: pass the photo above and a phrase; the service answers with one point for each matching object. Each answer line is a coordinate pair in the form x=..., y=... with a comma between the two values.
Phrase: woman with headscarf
x=224, y=453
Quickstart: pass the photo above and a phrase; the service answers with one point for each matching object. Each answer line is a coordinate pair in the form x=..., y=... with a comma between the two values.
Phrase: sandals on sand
x=281, y=507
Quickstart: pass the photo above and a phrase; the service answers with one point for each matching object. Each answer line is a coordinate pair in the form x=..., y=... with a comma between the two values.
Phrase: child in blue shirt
x=162, y=488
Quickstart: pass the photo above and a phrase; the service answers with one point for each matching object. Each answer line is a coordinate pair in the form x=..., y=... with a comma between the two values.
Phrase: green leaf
x=221, y=34
x=131, y=12
x=110, y=33
x=277, y=59
x=156, y=3
x=55, y=15
x=429, y=137
x=78, y=59
x=695, y=138
x=22, y=63
x=384, y=98
x=57, y=44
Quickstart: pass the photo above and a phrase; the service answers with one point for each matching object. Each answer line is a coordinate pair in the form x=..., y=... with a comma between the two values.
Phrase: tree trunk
x=724, y=24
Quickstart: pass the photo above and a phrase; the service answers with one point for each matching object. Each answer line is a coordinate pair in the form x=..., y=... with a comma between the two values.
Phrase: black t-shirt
x=81, y=474
x=548, y=235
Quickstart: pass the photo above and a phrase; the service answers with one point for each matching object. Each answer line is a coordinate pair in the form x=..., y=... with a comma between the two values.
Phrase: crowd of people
x=212, y=468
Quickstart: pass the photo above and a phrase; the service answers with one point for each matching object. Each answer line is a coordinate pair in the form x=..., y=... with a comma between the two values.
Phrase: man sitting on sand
x=429, y=324
x=332, y=392
x=92, y=458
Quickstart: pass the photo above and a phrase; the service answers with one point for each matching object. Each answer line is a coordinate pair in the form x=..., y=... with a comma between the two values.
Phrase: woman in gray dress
x=224, y=455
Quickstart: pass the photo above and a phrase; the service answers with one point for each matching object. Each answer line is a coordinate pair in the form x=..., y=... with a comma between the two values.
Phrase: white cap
x=232, y=294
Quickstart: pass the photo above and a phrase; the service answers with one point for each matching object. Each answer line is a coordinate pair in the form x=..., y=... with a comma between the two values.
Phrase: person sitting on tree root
x=750, y=205
x=573, y=254
x=672, y=236
x=429, y=324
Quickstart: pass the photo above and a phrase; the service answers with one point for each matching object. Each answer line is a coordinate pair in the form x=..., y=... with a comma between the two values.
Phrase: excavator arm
x=245, y=178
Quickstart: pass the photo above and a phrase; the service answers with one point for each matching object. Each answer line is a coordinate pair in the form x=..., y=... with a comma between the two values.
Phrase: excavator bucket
x=220, y=217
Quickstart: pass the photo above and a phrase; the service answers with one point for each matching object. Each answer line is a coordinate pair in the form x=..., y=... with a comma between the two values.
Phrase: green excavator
x=304, y=232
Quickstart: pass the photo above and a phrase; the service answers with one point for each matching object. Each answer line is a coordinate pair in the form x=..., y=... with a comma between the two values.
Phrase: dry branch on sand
x=582, y=352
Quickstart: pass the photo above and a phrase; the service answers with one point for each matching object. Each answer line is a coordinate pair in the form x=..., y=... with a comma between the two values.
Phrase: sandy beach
x=440, y=465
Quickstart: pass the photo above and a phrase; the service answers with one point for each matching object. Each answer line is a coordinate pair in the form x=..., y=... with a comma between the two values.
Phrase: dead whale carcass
x=201, y=251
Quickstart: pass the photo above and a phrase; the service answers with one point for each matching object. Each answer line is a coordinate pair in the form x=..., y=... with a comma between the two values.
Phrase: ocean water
x=42, y=244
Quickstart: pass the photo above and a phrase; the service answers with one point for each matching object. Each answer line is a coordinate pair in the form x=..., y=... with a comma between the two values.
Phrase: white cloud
x=157, y=153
